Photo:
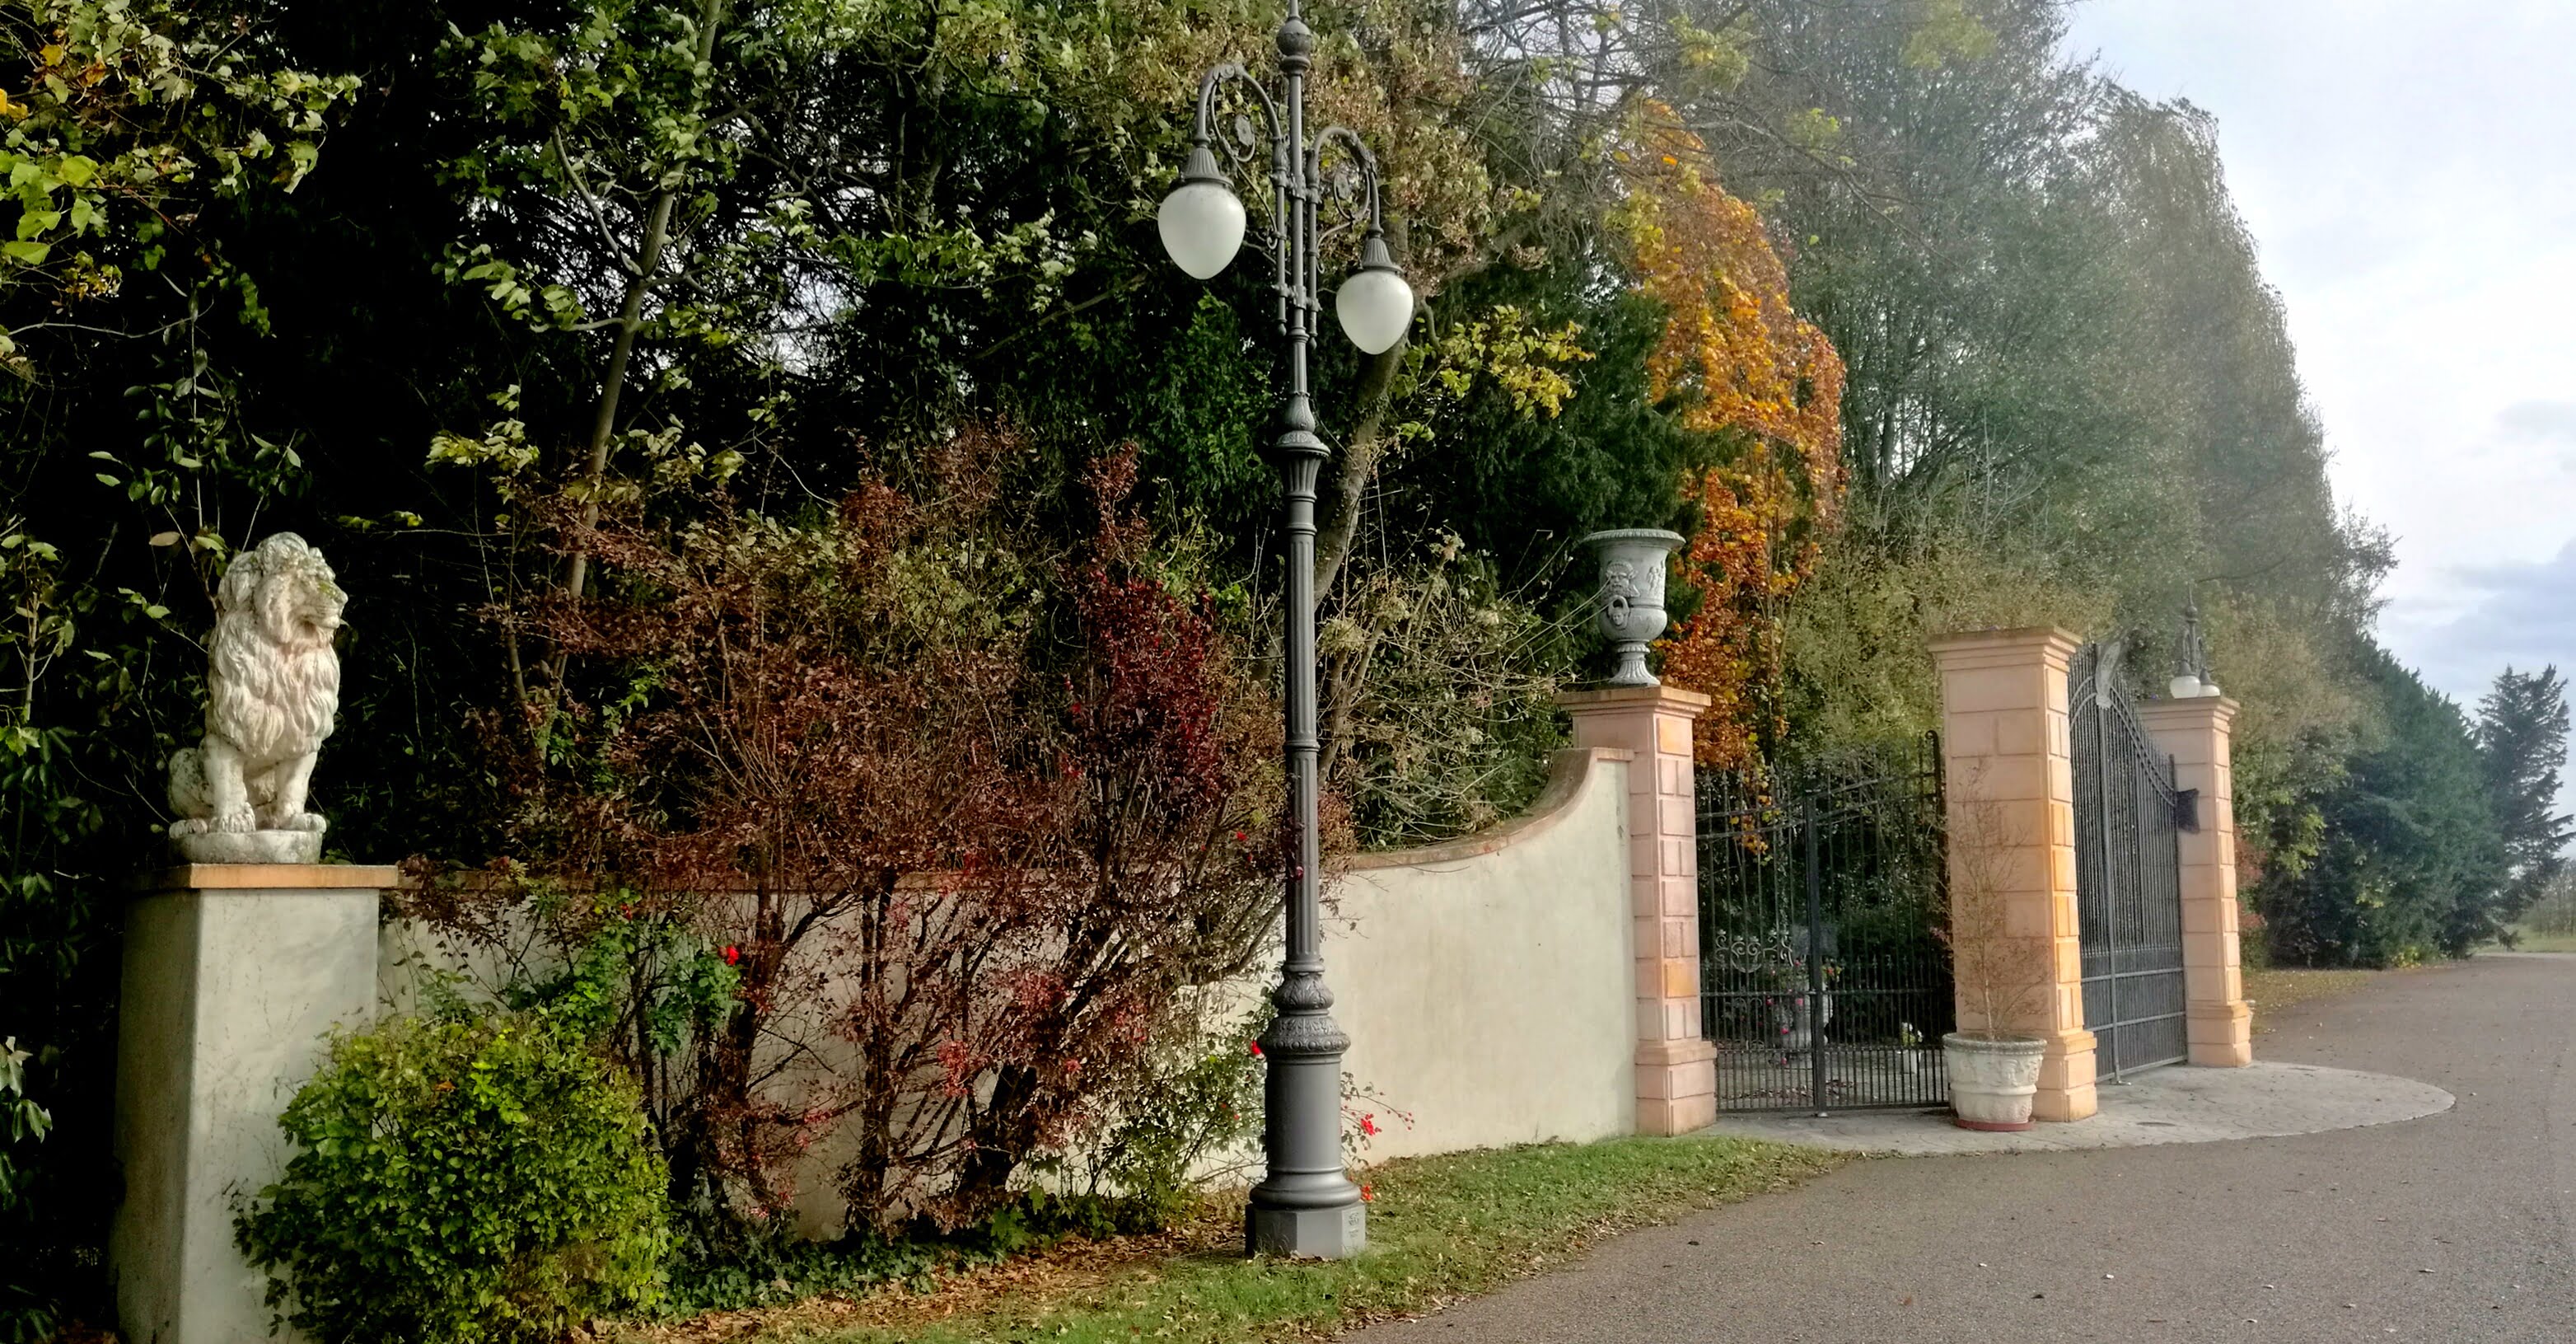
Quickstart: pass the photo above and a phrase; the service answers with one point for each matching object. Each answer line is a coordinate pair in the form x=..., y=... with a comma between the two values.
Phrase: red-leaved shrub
x=970, y=817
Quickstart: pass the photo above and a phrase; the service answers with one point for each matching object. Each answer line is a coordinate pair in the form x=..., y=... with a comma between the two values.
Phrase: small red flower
x=1238, y=837
x=1367, y=1194
x=1072, y=1067
x=732, y=955
x=1368, y=1125
x=1256, y=1047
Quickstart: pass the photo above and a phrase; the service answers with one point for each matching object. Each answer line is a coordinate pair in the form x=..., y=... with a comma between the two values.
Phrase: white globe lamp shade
x=1374, y=304
x=1201, y=221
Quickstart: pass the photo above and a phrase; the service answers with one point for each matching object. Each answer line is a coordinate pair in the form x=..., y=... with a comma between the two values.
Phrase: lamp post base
x=1306, y=1234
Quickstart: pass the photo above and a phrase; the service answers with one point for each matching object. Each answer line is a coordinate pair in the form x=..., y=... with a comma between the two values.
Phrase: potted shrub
x=1993, y=1071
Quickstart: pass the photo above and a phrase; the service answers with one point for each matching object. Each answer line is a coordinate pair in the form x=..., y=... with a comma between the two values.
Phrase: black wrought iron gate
x=1822, y=980
x=2128, y=873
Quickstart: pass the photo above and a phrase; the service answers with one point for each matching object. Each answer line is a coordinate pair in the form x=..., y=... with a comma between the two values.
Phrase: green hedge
x=461, y=1178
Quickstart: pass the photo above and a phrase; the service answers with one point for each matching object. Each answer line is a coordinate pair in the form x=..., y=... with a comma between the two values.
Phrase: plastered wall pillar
x=1676, y=1064
x=2009, y=781
x=233, y=973
x=2197, y=733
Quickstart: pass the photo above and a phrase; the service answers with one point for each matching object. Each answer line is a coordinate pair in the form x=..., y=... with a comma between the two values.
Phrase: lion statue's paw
x=187, y=826
x=300, y=821
x=239, y=821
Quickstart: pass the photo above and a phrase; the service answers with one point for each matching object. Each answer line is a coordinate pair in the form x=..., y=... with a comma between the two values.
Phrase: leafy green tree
x=2522, y=734
x=2412, y=862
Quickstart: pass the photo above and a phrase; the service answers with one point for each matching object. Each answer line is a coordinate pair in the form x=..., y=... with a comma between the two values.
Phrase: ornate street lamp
x=1306, y=1204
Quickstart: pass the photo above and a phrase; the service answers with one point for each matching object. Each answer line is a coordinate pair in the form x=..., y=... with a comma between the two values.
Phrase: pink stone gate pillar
x=2009, y=781
x=1676, y=1065
x=2197, y=734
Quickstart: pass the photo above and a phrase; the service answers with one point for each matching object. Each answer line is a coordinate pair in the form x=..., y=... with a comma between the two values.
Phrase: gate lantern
x=2191, y=661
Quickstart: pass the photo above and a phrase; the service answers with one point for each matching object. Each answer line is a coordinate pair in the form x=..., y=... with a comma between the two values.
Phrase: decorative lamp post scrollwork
x=1306, y=1204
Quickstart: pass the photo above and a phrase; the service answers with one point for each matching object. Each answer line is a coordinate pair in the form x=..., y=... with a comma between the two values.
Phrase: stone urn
x=1631, y=602
x=1993, y=1078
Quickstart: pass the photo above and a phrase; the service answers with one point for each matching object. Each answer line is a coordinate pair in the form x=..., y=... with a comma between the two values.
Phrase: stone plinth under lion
x=272, y=689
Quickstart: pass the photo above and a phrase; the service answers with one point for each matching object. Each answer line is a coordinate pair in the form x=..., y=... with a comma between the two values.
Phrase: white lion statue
x=272, y=688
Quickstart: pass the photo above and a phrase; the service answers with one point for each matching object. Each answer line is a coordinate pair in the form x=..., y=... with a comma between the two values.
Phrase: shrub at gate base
x=461, y=1177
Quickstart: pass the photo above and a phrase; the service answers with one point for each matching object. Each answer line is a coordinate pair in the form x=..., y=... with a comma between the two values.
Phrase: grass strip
x=1440, y=1229
x=2274, y=989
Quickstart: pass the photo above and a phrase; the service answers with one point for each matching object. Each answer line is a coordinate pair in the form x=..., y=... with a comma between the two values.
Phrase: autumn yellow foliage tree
x=1741, y=365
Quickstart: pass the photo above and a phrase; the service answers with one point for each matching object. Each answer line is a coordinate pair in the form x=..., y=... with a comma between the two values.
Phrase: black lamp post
x=1306, y=1204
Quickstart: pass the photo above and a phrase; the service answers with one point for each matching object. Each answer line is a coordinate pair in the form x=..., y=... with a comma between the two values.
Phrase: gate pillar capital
x=2197, y=733
x=1676, y=1067
x=2021, y=646
x=2008, y=785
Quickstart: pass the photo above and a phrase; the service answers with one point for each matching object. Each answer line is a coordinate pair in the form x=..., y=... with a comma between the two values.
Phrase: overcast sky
x=2409, y=171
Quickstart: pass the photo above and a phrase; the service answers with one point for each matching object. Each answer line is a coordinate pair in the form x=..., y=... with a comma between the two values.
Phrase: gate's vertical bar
x=1817, y=1066
x=2115, y=889
x=1944, y=1006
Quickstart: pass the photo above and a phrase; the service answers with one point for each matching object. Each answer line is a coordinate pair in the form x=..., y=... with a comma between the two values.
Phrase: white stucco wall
x=1488, y=985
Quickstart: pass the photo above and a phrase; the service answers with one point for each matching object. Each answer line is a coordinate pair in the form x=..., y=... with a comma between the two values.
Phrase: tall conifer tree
x=2522, y=733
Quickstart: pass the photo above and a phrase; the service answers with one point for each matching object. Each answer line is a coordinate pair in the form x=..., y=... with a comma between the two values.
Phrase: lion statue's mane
x=272, y=689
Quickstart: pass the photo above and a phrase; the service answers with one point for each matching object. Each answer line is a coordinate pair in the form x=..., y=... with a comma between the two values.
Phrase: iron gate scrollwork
x=2128, y=872
x=1823, y=980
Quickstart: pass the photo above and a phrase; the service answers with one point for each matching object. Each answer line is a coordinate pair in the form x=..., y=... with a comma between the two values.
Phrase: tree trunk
x=648, y=262
x=1358, y=468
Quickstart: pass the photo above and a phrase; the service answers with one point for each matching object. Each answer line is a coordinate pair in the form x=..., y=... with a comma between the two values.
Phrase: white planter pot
x=1992, y=1079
